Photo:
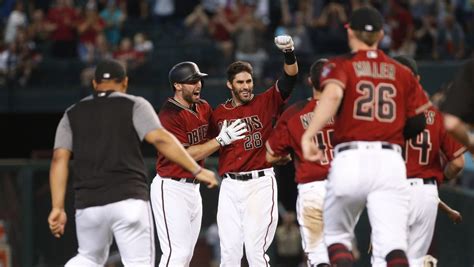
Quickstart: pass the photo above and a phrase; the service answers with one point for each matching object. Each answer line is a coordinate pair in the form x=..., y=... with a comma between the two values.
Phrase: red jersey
x=379, y=95
x=189, y=126
x=286, y=137
x=248, y=154
x=424, y=153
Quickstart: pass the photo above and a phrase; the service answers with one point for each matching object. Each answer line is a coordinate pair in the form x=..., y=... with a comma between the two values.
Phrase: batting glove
x=284, y=43
x=229, y=134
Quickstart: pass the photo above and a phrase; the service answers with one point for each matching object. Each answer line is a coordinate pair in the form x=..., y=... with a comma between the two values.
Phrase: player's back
x=299, y=118
x=423, y=153
x=379, y=95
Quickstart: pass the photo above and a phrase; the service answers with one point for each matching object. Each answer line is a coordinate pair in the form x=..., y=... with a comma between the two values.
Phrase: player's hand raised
x=57, y=222
x=229, y=134
x=284, y=43
x=207, y=177
x=311, y=152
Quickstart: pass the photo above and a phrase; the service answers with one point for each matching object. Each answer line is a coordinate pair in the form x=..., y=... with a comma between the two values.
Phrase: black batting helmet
x=185, y=72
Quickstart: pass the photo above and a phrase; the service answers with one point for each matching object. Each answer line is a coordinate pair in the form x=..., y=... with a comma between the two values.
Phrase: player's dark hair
x=315, y=72
x=238, y=67
x=368, y=38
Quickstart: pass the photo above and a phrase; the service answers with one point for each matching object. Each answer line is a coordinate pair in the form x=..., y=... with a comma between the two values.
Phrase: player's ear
x=229, y=85
x=308, y=80
x=382, y=34
x=94, y=84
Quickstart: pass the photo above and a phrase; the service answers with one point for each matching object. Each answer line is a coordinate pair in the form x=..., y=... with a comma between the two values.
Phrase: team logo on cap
x=106, y=75
x=369, y=28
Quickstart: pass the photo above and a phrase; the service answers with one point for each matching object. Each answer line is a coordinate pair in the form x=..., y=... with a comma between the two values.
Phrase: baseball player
x=175, y=195
x=247, y=210
x=377, y=103
x=310, y=176
x=423, y=156
x=111, y=192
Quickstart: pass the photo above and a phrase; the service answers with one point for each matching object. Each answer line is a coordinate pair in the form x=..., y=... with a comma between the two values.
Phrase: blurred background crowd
x=49, y=49
x=43, y=32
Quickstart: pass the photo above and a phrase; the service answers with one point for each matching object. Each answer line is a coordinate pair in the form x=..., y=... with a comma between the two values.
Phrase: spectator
x=88, y=28
x=401, y=29
x=100, y=52
x=142, y=44
x=197, y=24
x=28, y=57
x=17, y=19
x=221, y=27
x=114, y=19
x=128, y=55
x=39, y=29
x=288, y=241
x=248, y=44
x=450, y=39
x=425, y=37
x=329, y=29
x=63, y=18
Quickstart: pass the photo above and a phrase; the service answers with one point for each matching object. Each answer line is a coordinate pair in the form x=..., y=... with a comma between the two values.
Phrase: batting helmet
x=185, y=72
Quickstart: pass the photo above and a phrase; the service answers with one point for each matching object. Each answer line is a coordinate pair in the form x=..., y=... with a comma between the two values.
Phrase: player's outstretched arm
x=459, y=130
x=171, y=148
x=286, y=84
x=454, y=215
x=228, y=134
x=454, y=167
x=58, y=175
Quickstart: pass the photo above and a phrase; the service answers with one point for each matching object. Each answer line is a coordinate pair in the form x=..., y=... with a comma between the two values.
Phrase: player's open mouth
x=197, y=93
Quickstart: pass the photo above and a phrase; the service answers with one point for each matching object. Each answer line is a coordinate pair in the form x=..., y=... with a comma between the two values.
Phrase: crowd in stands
x=87, y=31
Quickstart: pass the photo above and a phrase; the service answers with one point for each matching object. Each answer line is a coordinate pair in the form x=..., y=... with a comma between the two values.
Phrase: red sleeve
x=174, y=126
x=273, y=96
x=450, y=147
x=333, y=71
x=278, y=143
x=417, y=100
x=213, y=129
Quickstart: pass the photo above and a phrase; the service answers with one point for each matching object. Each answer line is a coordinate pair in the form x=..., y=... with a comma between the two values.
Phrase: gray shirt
x=145, y=120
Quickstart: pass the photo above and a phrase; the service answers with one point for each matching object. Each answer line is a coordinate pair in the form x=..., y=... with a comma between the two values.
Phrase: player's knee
x=396, y=258
x=340, y=255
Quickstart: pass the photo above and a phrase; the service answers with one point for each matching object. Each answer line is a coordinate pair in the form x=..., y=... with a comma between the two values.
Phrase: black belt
x=243, y=177
x=431, y=180
x=356, y=146
x=186, y=180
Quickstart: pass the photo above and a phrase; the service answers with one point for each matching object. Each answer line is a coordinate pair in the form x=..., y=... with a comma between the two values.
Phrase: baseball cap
x=408, y=62
x=109, y=70
x=366, y=19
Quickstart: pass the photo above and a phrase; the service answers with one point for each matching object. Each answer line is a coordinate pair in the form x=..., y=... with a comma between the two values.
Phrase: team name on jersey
x=377, y=70
x=195, y=136
x=253, y=123
x=430, y=117
x=306, y=119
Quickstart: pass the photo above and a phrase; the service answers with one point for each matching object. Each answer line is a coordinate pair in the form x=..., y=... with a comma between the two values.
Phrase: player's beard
x=192, y=96
x=243, y=95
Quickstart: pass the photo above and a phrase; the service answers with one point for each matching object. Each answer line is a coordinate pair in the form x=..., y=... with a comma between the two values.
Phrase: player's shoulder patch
x=328, y=67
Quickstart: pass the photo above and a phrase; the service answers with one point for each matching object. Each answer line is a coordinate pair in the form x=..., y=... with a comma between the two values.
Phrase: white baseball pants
x=247, y=213
x=129, y=221
x=177, y=207
x=422, y=219
x=371, y=176
x=309, y=210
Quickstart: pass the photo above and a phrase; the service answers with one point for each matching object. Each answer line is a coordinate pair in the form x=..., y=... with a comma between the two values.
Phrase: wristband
x=290, y=57
x=197, y=171
x=220, y=141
